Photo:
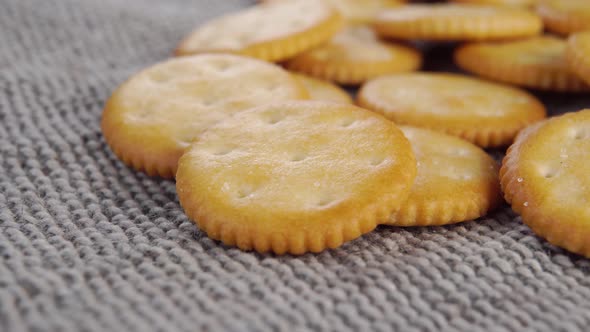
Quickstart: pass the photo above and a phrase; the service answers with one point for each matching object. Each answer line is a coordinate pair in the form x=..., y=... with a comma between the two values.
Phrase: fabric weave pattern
x=87, y=244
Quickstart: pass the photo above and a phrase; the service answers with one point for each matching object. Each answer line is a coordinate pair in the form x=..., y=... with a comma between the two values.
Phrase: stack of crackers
x=270, y=154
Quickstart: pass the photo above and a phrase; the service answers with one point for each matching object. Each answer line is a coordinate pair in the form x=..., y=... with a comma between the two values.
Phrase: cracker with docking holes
x=323, y=90
x=546, y=178
x=565, y=16
x=482, y=112
x=355, y=55
x=295, y=177
x=456, y=181
x=578, y=55
x=152, y=117
x=272, y=31
x=538, y=63
x=453, y=22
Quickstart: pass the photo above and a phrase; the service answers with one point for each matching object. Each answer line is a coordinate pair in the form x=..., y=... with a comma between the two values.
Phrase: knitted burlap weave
x=87, y=244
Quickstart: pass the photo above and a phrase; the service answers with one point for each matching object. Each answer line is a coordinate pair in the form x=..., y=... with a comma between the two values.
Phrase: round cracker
x=323, y=90
x=271, y=31
x=537, y=63
x=152, y=117
x=294, y=177
x=565, y=16
x=546, y=178
x=578, y=55
x=456, y=181
x=355, y=55
x=485, y=113
x=451, y=22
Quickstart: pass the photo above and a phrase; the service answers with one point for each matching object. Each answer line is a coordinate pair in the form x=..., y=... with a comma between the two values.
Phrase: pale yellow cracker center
x=357, y=43
x=446, y=95
x=362, y=10
x=546, y=51
x=259, y=24
x=284, y=159
x=358, y=11
x=561, y=166
x=181, y=98
x=444, y=160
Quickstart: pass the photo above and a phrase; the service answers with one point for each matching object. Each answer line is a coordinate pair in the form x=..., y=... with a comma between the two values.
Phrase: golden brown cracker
x=294, y=177
x=565, y=16
x=482, y=112
x=355, y=55
x=272, y=32
x=155, y=114
x=538, y=63
x=578, y=55
x=456, y=181
x=323, y=90
x=455, y=22
x=546, y=178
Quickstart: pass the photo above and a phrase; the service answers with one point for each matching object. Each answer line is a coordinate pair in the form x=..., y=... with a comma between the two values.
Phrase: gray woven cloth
x=87, y=244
